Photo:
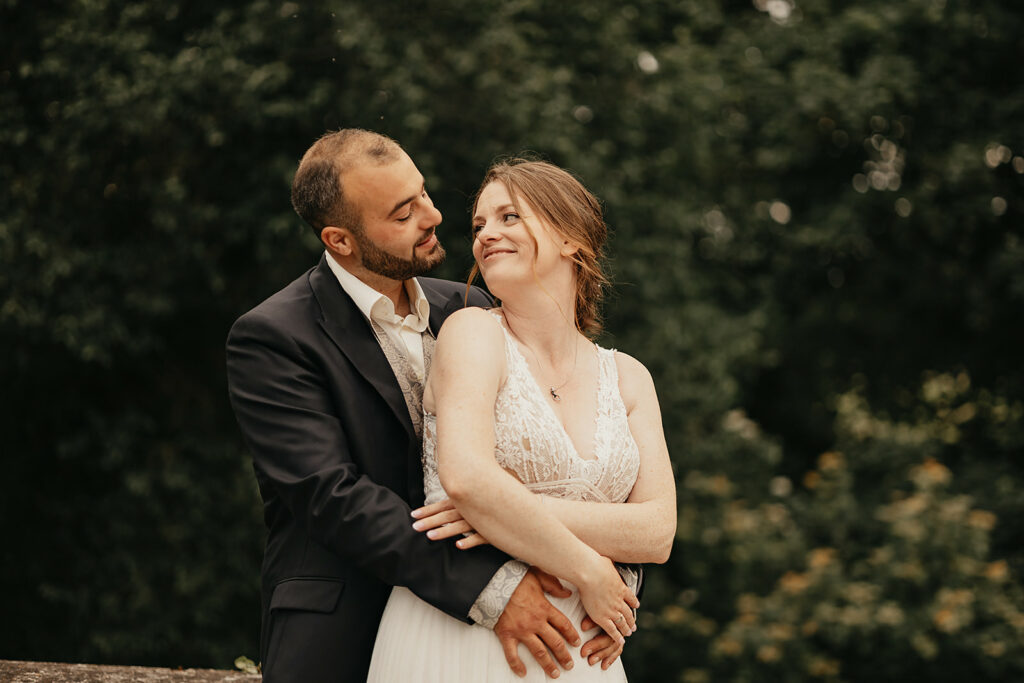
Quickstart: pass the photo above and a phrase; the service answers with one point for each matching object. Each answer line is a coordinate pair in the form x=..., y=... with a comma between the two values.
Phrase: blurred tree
x=817, y=213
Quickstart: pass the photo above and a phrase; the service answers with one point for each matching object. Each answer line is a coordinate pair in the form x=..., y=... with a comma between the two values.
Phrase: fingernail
x=417, y=512
x=569, y=665
x=593, y=658
x=575, y=642
x=417, y=526
x=622, y=641
x=432, y=533
x=555, y=674
x=634, y=629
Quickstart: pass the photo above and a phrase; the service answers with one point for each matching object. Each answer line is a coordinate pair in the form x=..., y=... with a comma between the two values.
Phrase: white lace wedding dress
x=418, y=642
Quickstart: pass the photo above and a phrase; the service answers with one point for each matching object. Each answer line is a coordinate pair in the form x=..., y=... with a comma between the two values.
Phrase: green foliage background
x=817, y=210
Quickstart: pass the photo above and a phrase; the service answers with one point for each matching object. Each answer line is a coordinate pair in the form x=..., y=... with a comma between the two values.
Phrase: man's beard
x=378, y=261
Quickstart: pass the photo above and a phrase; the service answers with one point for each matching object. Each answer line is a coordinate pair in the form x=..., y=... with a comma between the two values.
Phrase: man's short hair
x=317, y=192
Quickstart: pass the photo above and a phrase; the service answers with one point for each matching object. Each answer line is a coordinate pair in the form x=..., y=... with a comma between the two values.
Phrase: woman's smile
x=495, y=252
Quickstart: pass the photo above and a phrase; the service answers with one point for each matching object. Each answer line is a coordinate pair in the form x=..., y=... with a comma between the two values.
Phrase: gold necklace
x=575, y=356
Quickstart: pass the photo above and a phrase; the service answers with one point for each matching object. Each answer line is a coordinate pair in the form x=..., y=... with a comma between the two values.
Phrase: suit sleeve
x=299, y=447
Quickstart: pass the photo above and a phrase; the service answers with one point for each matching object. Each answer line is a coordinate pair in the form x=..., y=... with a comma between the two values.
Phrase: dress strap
x=609, y=400
x=609, y=371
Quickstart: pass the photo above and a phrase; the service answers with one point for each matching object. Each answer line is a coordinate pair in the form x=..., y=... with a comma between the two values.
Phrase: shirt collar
x=379, y=307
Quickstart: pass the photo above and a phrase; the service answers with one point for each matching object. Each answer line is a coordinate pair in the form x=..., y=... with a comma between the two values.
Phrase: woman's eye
x=476, y=228
x=510, y=217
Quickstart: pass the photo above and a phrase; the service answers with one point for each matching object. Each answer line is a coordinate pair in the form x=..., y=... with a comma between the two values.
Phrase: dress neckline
x=539, y=392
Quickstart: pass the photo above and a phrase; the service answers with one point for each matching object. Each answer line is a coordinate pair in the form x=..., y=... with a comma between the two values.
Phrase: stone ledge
x=55, y=672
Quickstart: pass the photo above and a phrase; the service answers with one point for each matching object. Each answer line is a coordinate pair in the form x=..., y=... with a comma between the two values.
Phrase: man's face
x=397, y=239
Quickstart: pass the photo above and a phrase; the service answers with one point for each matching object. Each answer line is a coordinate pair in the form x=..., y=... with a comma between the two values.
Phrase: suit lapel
x=351, y=333
x=344, y=323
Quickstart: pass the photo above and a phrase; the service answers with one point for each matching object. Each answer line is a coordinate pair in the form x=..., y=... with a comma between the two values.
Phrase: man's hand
x=533, y=621
x=601, y=648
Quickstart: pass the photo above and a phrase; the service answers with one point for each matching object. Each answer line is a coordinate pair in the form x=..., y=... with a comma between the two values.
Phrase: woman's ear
x=568, y=248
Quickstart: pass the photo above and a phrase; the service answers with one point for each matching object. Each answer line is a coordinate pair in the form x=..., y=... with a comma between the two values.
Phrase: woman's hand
x=608, y=601
x=442, y=520
x=601, y=648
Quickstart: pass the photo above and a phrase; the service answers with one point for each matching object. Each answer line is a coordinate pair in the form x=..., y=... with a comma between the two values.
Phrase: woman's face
x=502, y=245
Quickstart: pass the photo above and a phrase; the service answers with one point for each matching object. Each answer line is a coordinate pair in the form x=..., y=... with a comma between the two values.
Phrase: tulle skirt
x=417, y=642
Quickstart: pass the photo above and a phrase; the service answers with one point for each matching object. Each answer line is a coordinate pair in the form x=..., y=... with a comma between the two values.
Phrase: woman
x=526, y=404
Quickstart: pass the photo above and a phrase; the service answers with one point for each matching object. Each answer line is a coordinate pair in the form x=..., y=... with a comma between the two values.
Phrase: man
x=325, y=378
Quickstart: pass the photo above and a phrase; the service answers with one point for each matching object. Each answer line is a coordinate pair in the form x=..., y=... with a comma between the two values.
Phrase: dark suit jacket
x=338, y=466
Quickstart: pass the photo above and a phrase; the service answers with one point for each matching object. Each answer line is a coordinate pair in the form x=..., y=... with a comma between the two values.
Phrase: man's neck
x=393, y=289
x=396, y=291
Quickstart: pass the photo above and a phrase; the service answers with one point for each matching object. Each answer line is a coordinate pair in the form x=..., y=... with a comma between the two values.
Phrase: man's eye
x=403, y=219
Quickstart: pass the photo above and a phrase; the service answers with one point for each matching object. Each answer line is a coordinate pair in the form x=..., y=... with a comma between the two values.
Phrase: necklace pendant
x=554, y=395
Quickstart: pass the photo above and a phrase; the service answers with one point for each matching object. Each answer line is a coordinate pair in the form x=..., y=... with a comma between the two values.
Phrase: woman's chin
x=499, y=285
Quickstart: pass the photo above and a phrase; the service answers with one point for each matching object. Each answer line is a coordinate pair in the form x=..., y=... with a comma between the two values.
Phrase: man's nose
x=431, y=218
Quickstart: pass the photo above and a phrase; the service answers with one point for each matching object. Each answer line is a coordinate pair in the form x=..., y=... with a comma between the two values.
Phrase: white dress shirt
x=407, y=332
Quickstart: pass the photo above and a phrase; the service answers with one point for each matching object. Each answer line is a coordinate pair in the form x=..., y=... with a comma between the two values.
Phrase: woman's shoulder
x=630, y=367
x=473, y=318
x=470, y=348
x=472, y=327
x=635, y=379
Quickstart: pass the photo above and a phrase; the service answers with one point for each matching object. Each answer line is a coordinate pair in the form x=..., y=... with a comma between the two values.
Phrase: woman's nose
x=486, y=233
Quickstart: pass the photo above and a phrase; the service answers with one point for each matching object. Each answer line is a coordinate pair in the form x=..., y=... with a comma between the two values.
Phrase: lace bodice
x=533, y=444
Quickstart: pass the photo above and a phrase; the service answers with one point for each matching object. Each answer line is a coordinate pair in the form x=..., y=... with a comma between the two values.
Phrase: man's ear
x=338, y=240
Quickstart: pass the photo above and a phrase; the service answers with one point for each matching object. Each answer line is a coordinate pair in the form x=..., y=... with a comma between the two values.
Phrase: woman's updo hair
x=573, y=213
